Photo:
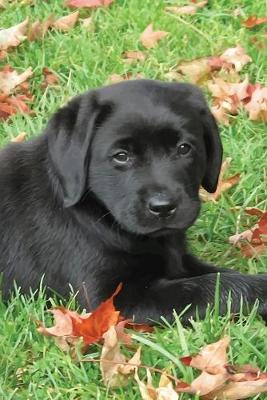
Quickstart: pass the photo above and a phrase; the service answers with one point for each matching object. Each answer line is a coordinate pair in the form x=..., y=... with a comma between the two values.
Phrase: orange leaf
x=88, y=3
x=93, y=327
x=149, y=37
x=253, y=21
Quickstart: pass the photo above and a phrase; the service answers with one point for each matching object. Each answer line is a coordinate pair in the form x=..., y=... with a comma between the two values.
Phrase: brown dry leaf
x=50, y=78
x=67, y=22
x=196, y=70
x=220, y=114
x=149, y=38
x=223, y=184
x=62, y=330
x=228, y=97
x=10, y=79
x=187, y=10
x=132, y=56
x=241, y=237
x=211, y=361
x=38, y=29
x=116, y=78
x=165, y=391
x=252, y=242
x=223, y=90
x=211, y=358
x=113, y=364
x=236, y=56
x=19, y=138
x=220, y=380
x=257, y=106
x=88, y=24
x=2, y=4
x=12, y=37
x=88, y=3
x=240, y=390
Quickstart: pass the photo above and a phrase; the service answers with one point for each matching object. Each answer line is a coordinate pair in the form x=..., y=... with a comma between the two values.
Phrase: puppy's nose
x=161, y=206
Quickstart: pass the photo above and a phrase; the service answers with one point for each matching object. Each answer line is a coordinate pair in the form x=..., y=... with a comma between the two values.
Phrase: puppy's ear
x=214, y=151
x=70, y=133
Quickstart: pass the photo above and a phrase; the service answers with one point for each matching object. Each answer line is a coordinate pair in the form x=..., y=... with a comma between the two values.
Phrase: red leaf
x=88, y=3
x=186, y=360
x=253, y=21
x=92, y=328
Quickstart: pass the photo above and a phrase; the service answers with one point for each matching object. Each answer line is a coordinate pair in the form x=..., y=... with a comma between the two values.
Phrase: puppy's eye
x=183, y=148
x=121, y=157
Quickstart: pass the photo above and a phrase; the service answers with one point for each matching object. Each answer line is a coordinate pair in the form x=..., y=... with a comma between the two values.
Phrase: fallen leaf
x=239, y=390
x=116, y=78
x=12, y=37
x=92, y=328
x=88, y=24
x=219, y=380
x=67, y=22
x=220, y=114
x=50, y=78
x=237, y=57
x=131, y=56
x=38, y=29
x=187, y=10
x=223, y=184
x=88, y=3
x=196, y=70
x=257, y=106
x=252, y=242
x=113, y=364
x=139, y=327
x=10, y=79
x=12, y=105
x=165, y=390
x=211, y=358
x=70, y=326
x=254, y=21
x=149, y=38
x=19, y=138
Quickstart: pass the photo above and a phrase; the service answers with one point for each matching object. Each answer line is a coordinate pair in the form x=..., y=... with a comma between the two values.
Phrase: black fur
x=74, y=210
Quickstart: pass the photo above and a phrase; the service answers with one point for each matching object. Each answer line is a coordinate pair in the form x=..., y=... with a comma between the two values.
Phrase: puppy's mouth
x=163, y=232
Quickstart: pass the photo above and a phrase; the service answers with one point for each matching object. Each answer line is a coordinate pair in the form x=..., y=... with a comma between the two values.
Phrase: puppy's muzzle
x=161, y=206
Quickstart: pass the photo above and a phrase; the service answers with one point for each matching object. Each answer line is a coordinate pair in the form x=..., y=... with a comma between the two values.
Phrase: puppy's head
x=143, y=148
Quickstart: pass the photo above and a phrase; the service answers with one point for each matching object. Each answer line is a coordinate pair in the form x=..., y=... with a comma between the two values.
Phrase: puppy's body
x=74, y=208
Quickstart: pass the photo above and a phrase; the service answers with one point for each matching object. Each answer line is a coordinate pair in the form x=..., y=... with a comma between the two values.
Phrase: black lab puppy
x=105, y=195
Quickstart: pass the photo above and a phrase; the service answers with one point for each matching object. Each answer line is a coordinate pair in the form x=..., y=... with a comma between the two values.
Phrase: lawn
x=31, y=366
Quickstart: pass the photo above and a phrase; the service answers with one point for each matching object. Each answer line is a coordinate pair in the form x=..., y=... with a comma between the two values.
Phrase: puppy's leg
x=195, y=267
x=149, y=301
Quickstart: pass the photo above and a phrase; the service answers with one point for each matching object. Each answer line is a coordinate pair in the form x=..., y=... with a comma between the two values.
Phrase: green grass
x=31, y=366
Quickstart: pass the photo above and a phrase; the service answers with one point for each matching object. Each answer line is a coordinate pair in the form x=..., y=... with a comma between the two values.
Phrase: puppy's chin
x=156, y=229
